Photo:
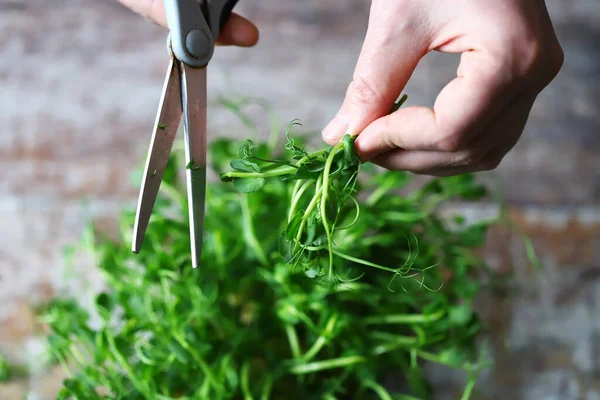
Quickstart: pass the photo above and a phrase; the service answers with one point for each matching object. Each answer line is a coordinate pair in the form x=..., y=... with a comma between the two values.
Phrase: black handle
x=219, y=12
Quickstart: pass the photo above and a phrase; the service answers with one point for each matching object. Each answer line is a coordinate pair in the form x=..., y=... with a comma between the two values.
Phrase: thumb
x=393, y=46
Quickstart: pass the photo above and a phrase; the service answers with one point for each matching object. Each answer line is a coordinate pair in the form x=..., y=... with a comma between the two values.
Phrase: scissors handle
x=195, y=26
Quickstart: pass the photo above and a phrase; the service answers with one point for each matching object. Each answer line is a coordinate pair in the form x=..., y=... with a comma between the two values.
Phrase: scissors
x=194, y=27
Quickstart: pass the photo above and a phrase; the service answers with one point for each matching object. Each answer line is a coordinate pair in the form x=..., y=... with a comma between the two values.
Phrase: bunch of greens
x=323, y=202
x=247, y=324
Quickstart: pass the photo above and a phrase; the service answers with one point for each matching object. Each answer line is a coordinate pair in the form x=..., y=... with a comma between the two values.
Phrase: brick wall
x=79, y=86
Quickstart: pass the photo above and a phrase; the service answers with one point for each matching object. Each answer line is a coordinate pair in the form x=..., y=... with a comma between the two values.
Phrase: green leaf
x=311, y=229
x=63, y=394
x=459, y=219
x=454, y=356
x=351, y=157
x=75, y=388
x=191, y=165
x=294, y=225
x=285, y=248
x=248, y=185
x=320, y=240
x=460, y=314
x=303, y=172
x=312, y=271
x=244, y=166
x=476, y=192
x=314, y=165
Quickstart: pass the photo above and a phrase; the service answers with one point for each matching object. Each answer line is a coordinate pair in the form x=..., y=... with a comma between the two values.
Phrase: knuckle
x=450, y=143
x=390, y=140
x=537, y=57
x=467, y=159
x=362, y=92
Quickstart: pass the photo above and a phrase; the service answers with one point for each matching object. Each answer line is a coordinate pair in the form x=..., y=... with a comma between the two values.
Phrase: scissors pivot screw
x=197, y=42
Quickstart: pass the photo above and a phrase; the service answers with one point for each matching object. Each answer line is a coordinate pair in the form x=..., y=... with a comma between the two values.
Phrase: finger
x=493, y=159
x=389, y=55
x=237, y=31
x=485, y=153
x=154, y=10
x=483, y=87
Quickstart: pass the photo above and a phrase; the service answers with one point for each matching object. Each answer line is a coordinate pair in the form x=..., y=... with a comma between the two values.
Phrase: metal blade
x=193, y=90
x=163, y=136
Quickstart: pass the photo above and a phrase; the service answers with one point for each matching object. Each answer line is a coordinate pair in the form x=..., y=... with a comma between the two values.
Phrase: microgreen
x=322, y=205
x=247, y=326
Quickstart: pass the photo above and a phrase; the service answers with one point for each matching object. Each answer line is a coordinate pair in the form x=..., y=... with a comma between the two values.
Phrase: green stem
x=399, y=216
x=377, y=194
x=266, y=391
x=124, y=364
x=172, y=192
x=293, y=339
x=297, y=196
x=316, y=366
x=324, y=195
x=246, y=381
x=378, y=389
x=312, y=156
x=468, y=389
x=219, y=247
x=279, y=171
x=63, y=363
x=527, y=242
x=201, y=362
x=321, y=340
x=249, y=234
x=296, y=188
x=283, y=170
x=404, y=319
x=360, y=261
x=311, y=206
x=393, y=342
x=425, y=355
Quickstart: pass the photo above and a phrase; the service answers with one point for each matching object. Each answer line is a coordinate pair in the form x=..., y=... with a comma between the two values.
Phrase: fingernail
x=336, y=128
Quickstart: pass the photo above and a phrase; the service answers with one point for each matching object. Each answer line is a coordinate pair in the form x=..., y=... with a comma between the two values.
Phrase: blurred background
x=80, y=82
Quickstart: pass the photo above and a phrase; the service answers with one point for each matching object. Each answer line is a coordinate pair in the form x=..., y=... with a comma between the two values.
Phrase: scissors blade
x=165, y=129
x=193, y=91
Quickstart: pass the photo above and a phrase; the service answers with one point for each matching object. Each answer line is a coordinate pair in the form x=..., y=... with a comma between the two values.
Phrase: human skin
x=509, y=54
x=238, y=31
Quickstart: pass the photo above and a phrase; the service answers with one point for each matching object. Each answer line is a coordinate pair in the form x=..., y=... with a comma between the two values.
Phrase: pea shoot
x=246, y=325
x=322, y=203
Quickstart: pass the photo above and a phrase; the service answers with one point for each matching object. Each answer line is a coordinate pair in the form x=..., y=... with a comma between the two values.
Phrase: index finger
x=483, y=87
